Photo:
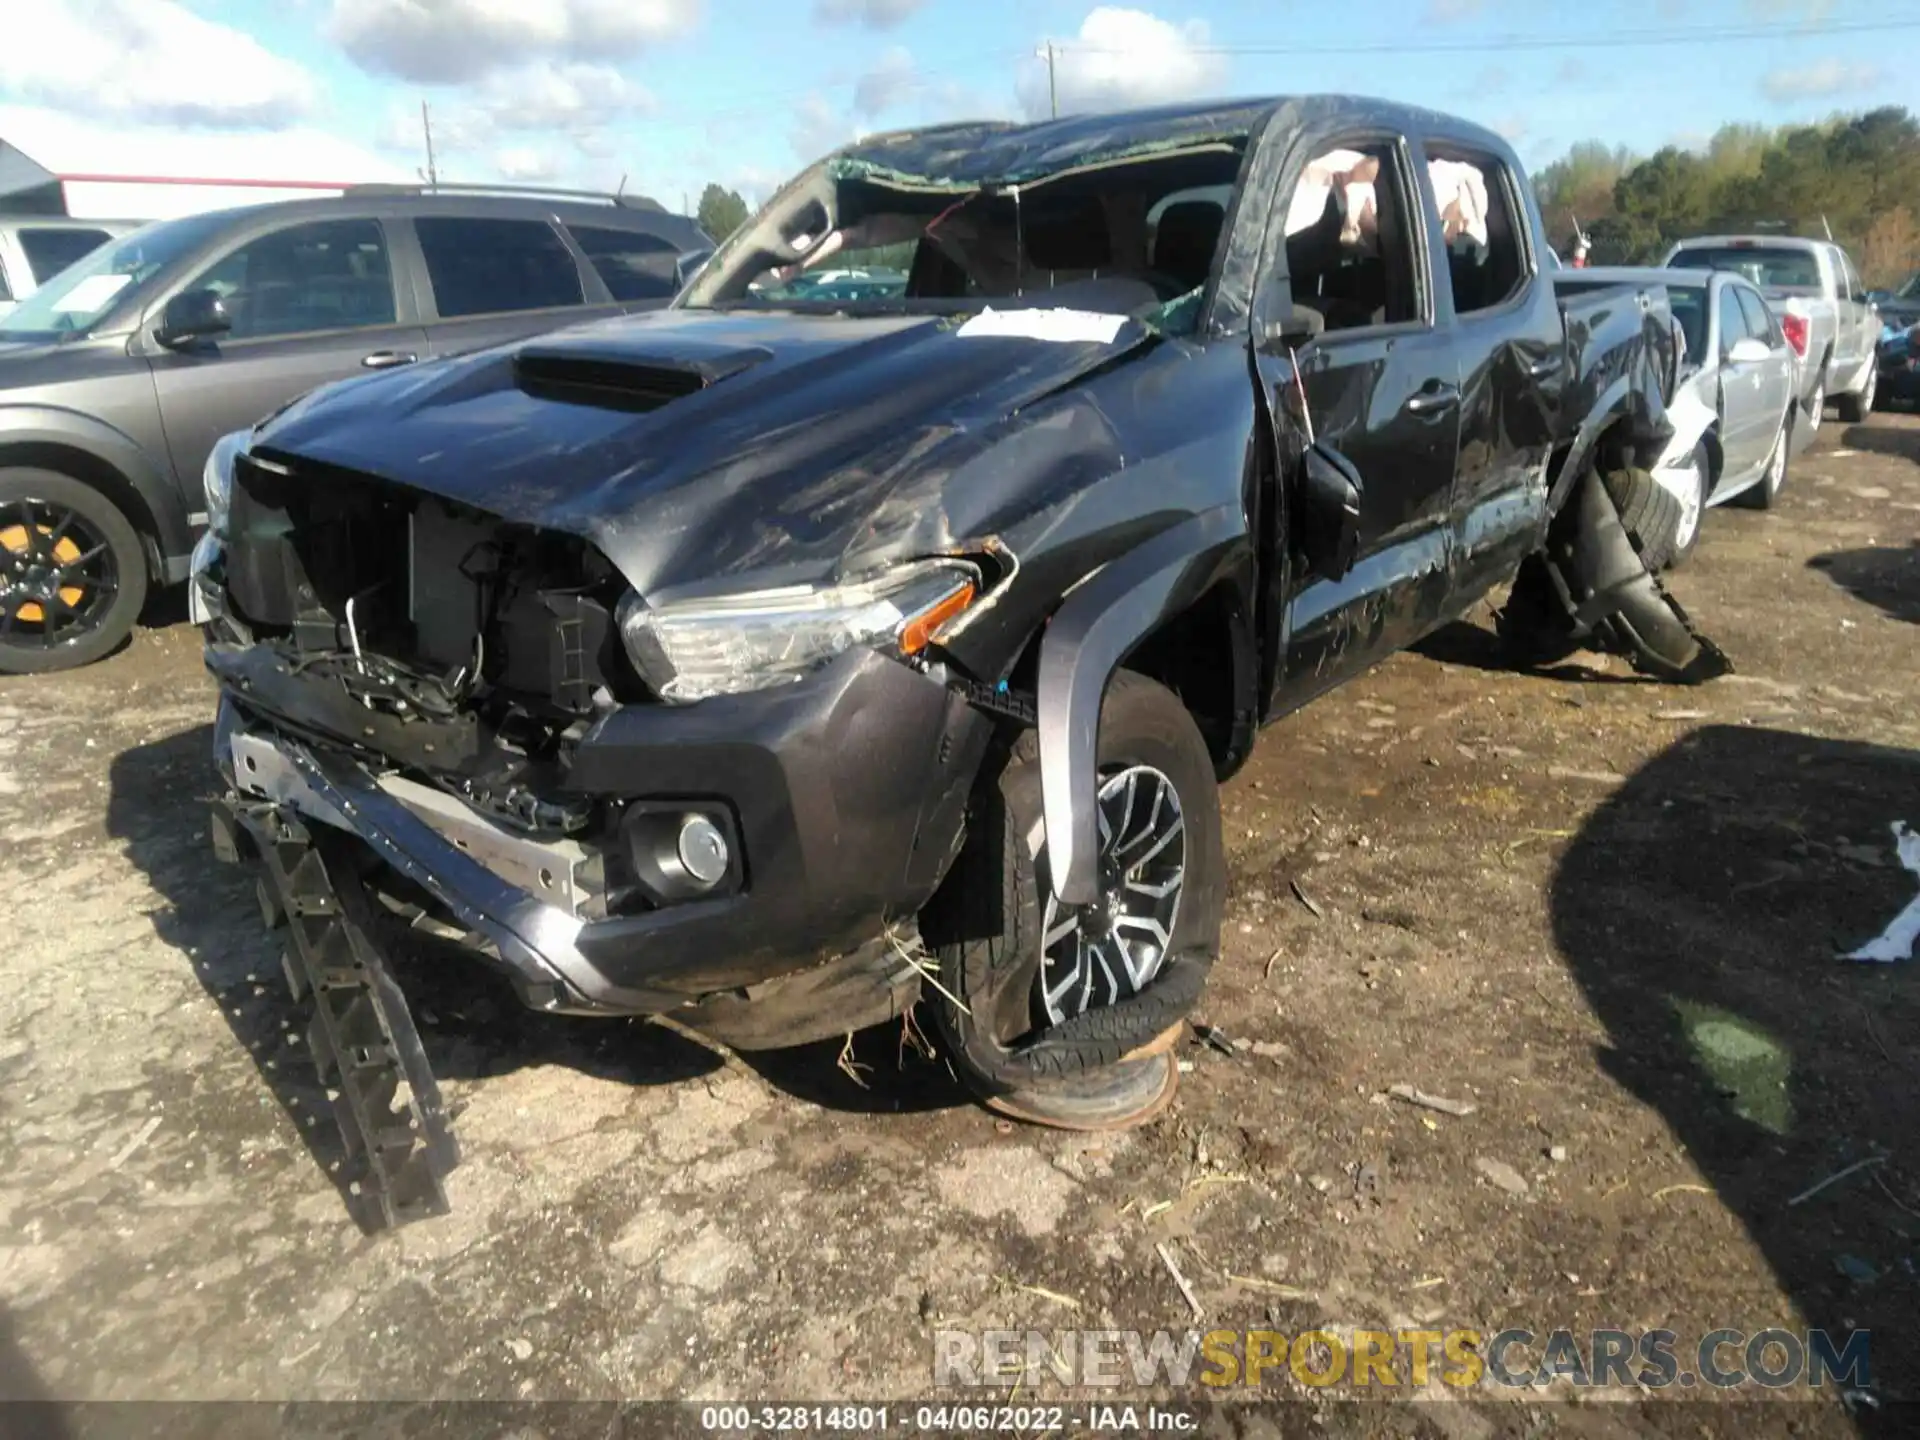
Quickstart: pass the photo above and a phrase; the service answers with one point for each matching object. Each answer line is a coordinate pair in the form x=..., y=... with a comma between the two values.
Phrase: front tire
x=1050, y=997
x=73, y=573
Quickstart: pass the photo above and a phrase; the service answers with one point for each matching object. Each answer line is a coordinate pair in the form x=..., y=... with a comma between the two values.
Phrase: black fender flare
x=1099, y=622
x=116, y=451
x=1625, y=398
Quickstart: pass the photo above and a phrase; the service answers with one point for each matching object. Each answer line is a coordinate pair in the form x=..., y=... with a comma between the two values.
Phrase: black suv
x=117, y=377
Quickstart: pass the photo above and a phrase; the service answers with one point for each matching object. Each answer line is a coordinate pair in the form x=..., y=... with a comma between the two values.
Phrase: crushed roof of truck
x=980, y=154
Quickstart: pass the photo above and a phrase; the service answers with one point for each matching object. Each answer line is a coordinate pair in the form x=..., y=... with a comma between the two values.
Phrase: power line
x=1615, y=39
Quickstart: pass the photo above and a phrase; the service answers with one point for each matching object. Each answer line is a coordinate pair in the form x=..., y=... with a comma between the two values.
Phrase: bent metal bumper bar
x=397, y=1145
x=533, y=936
x=302, y=814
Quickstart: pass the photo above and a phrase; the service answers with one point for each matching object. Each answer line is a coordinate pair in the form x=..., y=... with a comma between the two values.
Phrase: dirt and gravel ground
x=1605, y=912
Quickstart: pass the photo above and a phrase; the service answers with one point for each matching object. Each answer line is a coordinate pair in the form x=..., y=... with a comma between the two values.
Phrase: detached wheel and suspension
x=1066, y=1015
x=73, y=574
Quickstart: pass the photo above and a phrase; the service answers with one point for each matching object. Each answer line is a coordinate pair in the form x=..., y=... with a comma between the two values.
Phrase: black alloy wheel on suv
x=73, y=573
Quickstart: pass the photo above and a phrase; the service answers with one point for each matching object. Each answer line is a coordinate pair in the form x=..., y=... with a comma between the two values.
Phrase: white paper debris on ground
x=1065, y=327
x=1896, y=942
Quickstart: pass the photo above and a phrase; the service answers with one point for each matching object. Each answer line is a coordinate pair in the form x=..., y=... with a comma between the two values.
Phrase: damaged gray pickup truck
x=774, y=664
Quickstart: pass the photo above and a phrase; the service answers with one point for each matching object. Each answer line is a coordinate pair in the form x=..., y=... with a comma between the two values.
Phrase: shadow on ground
x=1884, y=576
x=1900, y=441
x=26, y=1408
x=1702, y=910
x=469, y=1020
x=1459, y=642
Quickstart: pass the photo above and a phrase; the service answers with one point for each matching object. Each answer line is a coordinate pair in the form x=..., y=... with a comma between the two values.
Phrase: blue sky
x=672, y=93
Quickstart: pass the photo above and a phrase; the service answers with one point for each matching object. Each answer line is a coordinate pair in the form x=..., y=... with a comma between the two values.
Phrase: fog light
x=702, y=850
x=675, y=853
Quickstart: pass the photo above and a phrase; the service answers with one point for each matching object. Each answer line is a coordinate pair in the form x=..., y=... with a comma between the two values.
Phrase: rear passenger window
x=1480, y=226
x=1350, y=239
x=330, y=275
x=1760, y=323
x=483, y=267
x=51, y=251
x=633, y=266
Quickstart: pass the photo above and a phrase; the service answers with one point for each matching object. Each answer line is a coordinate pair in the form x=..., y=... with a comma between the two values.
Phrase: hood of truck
x=691, y=446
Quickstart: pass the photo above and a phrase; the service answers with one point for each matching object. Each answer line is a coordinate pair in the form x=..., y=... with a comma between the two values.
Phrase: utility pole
x=1053, y=91
x=426, y=125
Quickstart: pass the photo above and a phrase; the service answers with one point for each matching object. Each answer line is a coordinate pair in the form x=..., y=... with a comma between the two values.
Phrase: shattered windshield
x=1133, y=235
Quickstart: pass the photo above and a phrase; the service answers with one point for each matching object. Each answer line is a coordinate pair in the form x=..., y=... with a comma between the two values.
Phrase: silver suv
x=117, y=377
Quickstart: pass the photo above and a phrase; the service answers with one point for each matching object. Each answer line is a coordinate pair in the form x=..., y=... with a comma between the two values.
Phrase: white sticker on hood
x=1065, y=327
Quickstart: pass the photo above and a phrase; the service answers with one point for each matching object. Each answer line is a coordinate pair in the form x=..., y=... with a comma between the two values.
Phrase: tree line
x=1856, y=175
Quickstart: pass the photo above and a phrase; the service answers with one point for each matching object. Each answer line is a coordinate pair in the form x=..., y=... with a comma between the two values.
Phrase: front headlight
x=758, y=639
x=216, y=478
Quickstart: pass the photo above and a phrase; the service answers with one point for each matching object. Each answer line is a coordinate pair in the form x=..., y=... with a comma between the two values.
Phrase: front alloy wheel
x=57, y=574
x=73, y=573
x=1064, y=1014
x=1100, y=954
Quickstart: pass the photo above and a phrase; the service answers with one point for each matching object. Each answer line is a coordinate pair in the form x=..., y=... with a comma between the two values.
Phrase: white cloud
x=1447, y=12
x=891, y=81
x=453, y=41
x=523, y=122
x=526, y=163
x=1820, y=80
x=142, y=60
x=1123, y=58
x=872, y=14
x=550, y=96
x=818, y=128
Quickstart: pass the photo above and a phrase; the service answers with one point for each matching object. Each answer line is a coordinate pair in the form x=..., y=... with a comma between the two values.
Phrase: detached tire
x=73, y=573
x=1651, y=514
x=1118, y=975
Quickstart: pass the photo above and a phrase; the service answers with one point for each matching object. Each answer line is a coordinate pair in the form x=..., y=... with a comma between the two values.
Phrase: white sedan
x=1732, y=415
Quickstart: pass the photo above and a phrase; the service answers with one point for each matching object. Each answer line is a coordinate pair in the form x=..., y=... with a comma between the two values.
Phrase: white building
x=51, y=165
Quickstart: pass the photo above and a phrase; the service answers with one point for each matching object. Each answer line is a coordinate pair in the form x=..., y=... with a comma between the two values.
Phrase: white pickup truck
x=1814, y=290
x=35, y=248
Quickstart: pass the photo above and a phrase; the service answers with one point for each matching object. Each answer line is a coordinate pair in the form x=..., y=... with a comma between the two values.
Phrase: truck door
x=1381, y=387
x=1510, y=340
x=1859, y=340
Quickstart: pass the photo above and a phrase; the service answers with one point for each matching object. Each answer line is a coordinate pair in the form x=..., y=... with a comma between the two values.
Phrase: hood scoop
x=611, y=376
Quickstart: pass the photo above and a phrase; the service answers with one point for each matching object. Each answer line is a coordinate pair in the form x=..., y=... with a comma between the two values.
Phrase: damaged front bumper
x=840, y=800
